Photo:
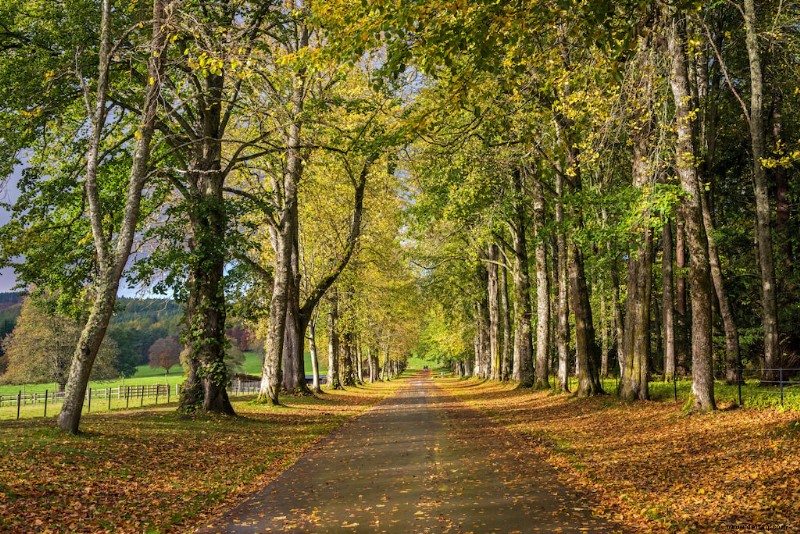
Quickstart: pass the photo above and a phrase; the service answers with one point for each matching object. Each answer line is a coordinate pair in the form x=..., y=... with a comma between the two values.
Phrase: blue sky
x=8, y=193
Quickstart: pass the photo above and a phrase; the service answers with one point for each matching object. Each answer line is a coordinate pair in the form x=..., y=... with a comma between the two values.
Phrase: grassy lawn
x=653, y=467
x=753, y=395
x=145, y=375
x=152, y=471
x=419, y=363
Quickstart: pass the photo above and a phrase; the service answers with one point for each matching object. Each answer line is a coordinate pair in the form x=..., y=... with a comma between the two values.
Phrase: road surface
x=420, y=461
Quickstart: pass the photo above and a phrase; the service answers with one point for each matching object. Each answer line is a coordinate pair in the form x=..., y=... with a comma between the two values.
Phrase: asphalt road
x=420, y=461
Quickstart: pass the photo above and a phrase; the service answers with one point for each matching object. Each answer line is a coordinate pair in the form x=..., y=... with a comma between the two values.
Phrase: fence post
x=89, y=407
x=108, y=394
x=127, y=396
x=168, y=390
x=675, y=385
x=141, y=397
x=19, y=401
x=739, y=382
x=158, y=386
x=781, y=379
x=45, y=401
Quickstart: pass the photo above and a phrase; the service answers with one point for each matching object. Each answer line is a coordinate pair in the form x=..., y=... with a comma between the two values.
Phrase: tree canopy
x=521, y=192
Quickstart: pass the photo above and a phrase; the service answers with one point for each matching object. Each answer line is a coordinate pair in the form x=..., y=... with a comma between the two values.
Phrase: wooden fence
x=132, y=396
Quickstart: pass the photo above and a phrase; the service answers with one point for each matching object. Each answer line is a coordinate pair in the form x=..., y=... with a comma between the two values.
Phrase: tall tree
x=766, y=260
x=112, y=257
x=542, y=366
x=637, y=315
x=702, y=397
x=164, y=353
x=523, y=344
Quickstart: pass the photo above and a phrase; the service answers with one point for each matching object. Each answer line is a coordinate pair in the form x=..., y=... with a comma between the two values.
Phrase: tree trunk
x=681, y=334
x=587, y=353
x=333, y=344
x=562, y=327
x=359, y=364
x=702, y=397
x=207, y=333
x=725, y=311
x=348, y=370
x=633, y=384
x=542, y=368
x=603, y=338
x=494, y=312
x=505, y=312
x=285, y=234
x=386, y=362
x=523, y=345
x=619, y=324
x=371, y=363
x=667, y=313
x=312, y=348
x=370, y=366
x=482, y=327
x=273, y=352
x=766, y=261
x=294, y=372
x=299, y=315
x=111, y=266
x=634, y=376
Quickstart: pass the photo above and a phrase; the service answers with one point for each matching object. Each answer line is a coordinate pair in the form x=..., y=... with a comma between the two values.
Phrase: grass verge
x=653, y=468
x=152, y=471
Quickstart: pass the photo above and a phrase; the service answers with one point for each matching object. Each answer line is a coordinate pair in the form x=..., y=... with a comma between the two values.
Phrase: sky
x=8, y=193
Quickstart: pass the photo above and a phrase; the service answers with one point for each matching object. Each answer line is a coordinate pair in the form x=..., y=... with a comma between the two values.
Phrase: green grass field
x=145, y=376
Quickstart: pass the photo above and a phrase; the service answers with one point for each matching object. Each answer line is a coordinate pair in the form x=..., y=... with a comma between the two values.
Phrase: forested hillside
x=135, y=326
x=10, y=305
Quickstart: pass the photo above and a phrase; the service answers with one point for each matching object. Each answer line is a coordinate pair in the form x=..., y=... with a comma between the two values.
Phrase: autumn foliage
x=152, y=470
x=652, y=468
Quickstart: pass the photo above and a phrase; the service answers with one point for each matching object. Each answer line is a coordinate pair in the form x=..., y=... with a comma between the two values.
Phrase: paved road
x=418, y=462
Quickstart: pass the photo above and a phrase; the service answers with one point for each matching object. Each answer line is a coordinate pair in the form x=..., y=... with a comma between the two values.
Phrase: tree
x=702, y=397
x=91, y=136
x=766, y=261
x=41, y=346
x=164, y=353
x=635, y=372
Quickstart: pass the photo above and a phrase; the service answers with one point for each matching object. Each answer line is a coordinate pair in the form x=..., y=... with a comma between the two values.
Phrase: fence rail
x=777, y=380
x=108, y=399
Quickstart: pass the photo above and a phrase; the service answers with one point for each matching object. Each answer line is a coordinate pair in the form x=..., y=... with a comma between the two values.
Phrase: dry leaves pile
x=654, y=468
x=153, y=471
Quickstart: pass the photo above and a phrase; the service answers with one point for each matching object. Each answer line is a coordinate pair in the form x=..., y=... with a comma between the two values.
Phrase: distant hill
x=9, y=300
x=10, y=306
x=135, y=326
x=137, y=323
